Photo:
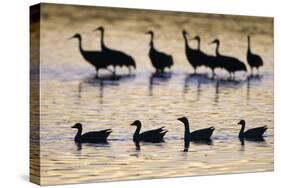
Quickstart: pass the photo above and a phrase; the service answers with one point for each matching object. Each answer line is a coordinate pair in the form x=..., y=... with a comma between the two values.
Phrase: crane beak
x=70, y=38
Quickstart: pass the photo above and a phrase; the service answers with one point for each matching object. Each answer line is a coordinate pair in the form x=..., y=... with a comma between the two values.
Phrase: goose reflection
x=137, y=144
x=157, y=79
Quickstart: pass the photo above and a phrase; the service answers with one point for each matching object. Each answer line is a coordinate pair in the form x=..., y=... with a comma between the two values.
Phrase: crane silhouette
x=116, y=57
x=95, y=58
x=159, y=60
x=230, y=64
x=254, y=60
x=207, y=60
x=193, y=56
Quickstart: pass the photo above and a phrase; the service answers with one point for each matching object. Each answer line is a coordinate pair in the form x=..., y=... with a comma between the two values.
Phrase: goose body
x=159, y=60
x=254, y=133
x=230, y=64
x=116, y=57
x=254, y=60
x=154, y=136
x=95, y=58
x=198, y=135
x=91, y=137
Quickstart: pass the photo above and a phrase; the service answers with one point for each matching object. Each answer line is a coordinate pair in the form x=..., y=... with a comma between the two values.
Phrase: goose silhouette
x=251, y=134
x=159, y=60
x=207, y=60
x=254, y=60
x=153, y=136
x=231, y=64
x=193, y=56
x=116, y=57
x=95, y=58
x=91, y=137
x=198, y=135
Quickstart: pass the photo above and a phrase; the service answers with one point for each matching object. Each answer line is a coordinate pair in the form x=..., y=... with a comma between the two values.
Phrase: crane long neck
x=249, y=45
x=102, y=40
x=80, y=45
x=151, y=40
x=198, y=40
x=185, y=42
x=217, y=49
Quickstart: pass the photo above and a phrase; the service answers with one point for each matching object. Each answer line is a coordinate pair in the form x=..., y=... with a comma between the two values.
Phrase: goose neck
x=137, y=132
x=186, y=131
x=241, y=133
x=78, y=135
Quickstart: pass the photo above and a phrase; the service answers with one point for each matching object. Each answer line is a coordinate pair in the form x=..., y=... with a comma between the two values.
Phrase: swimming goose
x=198, y=135
x=254, y=133
x=91, y=137
x=154, y=136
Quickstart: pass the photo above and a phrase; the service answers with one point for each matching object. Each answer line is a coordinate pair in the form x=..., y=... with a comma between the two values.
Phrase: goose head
x=196, y=38
x=184, y=120
x=136, y=123
x=77, y=126
x=99, y=29
x=77, y=35
x=241, y=122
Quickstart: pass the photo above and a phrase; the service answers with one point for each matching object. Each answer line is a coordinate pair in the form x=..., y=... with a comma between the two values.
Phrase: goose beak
x=132, y=124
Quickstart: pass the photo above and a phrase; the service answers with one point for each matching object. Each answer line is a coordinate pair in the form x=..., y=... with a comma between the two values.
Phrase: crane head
x=196, y=38
x=149, y=32
x=216, y=41
x=99, y=29
x=77, y=35
x=184, y=32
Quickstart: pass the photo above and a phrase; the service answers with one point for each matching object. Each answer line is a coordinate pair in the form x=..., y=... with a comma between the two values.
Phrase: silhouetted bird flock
x=107, y=57
x=157, y=135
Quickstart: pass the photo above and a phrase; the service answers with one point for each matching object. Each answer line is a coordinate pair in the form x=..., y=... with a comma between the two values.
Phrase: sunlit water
x=70, y=94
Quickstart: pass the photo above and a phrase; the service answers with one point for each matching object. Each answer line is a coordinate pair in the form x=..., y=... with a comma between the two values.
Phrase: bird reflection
x=186, y=146
x=249, y=79
x=79, y=146
x=216, y=100
x=137, y=144
x=155, y=78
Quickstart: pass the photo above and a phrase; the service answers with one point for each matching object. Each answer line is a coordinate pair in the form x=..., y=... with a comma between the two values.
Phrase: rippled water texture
x=70, y=94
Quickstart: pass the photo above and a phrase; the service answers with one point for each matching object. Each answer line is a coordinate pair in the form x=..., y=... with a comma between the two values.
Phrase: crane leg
x=97, y=73
x=213, y=73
